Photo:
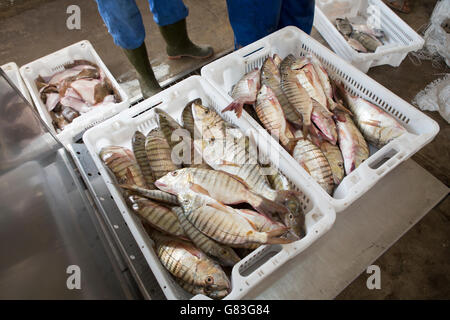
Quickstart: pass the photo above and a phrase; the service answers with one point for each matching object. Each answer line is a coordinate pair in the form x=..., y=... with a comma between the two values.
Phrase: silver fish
x=351, y=142
x=376, y=125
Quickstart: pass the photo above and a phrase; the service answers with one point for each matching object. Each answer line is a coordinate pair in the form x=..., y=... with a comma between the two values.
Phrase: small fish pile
x=324, y=127
x=361, y=37
x=203, y=199
x=79, y=88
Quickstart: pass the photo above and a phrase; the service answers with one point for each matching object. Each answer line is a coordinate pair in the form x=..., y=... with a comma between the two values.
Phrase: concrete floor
x=415, y=267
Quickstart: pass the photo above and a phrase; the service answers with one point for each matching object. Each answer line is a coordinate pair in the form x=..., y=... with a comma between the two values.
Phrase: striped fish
x=226, y=225
x=157, y=195
x=272, y=117
x=159, y=154
x=188, y=118
x=156, y=215
x=314, y=162
x=218, y=185
x=188, y=263
x=122, y=163
x=297, y=95
x=138, y=144
x=224, y=255
x=168, y=125
x=271, y=77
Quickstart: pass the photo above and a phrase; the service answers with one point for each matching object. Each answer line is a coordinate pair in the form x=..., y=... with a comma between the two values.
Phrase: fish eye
x=209, y=280
x=207, y=111
x=223, y=251
x=340, y=165
x=174, y=173
x=291, y=216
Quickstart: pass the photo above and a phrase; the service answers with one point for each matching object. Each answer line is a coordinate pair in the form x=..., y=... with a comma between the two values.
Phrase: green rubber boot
x=139, y=59
x=179, y=45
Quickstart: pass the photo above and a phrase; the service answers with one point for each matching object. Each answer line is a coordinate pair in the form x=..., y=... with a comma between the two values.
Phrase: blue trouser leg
x=299, y=13
x=253, y=19
x=168, y=11
x=124, y=22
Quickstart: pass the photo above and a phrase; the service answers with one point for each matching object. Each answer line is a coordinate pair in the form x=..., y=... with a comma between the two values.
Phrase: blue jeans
x=124, y=21
x=254, y=19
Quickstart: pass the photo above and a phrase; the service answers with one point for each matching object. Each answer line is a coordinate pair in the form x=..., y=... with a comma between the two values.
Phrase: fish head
x=295, y=218
x=214, y=278
x=277, y=60
x=164, y=119
x=299, y=63
x=227, y=257
x=216, y=294
x=174, y=182
x=138, y=137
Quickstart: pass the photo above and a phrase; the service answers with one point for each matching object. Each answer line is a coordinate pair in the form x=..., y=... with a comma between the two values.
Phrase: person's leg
x=171, y=19
x=299, y=13
x=124, y=23
x=252, y=19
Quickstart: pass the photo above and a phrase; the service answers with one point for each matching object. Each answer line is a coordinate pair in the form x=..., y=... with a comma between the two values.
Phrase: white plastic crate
x=12, y=71
x=260, y=263
x=225, y=72
x=55, y=62
x=400, y=37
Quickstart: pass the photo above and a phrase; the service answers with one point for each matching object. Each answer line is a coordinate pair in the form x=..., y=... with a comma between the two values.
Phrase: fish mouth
x=160, y=184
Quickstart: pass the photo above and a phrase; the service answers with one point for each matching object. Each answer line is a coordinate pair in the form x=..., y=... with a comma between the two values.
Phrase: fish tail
x=273, y=236
x=340, y=107
x=236, y=106
x=305, y=129
x=266, y=206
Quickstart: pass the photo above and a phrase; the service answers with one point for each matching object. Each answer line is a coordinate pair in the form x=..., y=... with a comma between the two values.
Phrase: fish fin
x=273, y=236
x=217, y=205
x=269, y=207
x=374, y=123
x=199, y=189
x=305, y=130
x=192, y=250
x=305, y=167
x=340, y=107
x=237, y=178
x=228, y=163
x=237, y=106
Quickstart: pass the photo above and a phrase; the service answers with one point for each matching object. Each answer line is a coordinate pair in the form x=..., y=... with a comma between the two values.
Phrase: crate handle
x=261, y=267
x=146, y=109
x=252, y=52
